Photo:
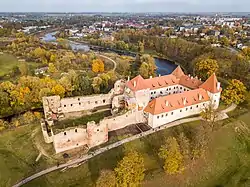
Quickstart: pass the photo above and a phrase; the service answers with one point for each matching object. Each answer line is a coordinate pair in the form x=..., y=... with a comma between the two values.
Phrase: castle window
x=97, y=130
x=104, y=101
x=154, y=92
x=215, y=101
x=203, y=104
x=180, y=110
x=181, y=88
x=65, y=133
x=96, y=102
x=191, y=108
x=172, y=113
x=71, y=105
x=162, y=116
x=174, y=92
x=186, y=109
x=166, y=115
x=78, y=99
x=79, y=103
x=169, y=88
x=197, y=106
x=77, y=144
x=151, y=97
x=161, y=92
x=158, y=117
x=75, y=130
x=64, y=105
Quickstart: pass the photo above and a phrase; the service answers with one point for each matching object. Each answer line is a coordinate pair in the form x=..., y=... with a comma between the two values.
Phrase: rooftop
x=176, y=101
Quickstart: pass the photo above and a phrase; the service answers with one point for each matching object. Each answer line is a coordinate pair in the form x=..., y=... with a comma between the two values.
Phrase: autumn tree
x=234, y=93
x=106, y=179
x=171, y=154
x=52, y=68
x=205, y=68
x=210, y=114
x=130, y=170
x=141, y=47
x=224, y=41
x=58, y=90
x=147, y=67
x=96, y=84
x=24, y=69
x=97, y=66
x=2, y=125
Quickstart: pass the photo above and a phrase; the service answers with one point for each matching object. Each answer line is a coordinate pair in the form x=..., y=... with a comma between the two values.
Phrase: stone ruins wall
x=70, y=139
x=121, y=121
x=76, y=104
x=93, y=135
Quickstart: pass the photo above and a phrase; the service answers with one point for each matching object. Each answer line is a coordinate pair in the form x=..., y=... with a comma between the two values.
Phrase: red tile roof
x=177, y=77
x=178, y=72
x=211, y=84
x=176, y=101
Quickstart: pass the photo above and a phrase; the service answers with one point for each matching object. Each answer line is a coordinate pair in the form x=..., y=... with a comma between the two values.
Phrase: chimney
x=134, y=83
x=150, y=77
x=184, y=101
x=128, y=78
x=218, y=86
x=199, y=97
x=167, y=103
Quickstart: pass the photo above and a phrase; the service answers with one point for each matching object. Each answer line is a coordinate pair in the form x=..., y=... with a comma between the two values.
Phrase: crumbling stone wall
x=121, y=121
x=76, y=104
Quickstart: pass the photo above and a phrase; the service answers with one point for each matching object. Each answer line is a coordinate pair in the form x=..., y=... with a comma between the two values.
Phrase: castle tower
x=212, y=86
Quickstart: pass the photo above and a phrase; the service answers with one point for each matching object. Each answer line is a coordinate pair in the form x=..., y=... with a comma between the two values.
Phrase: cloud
x=124, y=5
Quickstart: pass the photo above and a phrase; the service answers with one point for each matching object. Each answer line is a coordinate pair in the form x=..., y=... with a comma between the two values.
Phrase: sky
x=124, y=5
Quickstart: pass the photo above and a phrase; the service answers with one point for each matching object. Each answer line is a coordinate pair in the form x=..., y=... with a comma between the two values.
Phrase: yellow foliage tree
x=173, y=159
x=97, y=66
x=58, y=90
x=205, y=68
x=130, y=170
x=106, y=179
x=234, y=93
x=52, y=68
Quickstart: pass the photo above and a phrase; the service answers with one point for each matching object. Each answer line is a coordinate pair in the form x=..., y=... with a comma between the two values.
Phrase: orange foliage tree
x=97, y=66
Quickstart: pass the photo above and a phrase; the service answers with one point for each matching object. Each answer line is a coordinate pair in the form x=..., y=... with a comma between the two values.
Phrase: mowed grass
x=226, y=163
x=18, y=153
x=8, y=61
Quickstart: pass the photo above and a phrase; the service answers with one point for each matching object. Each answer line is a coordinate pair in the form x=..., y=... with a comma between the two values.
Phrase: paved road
x=114, y=145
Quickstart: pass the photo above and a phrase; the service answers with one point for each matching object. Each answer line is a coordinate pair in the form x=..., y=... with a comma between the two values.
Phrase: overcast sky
x=125, y=5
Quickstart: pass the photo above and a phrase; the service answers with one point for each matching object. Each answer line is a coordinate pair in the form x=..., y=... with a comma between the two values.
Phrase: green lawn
x=227, y=163
x=18, y=152
x=8, y=61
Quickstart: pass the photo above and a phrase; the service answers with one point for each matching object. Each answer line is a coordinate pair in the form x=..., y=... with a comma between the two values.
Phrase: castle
x=154, y=101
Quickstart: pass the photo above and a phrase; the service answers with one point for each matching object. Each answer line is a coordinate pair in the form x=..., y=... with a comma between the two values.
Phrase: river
x=164, y=67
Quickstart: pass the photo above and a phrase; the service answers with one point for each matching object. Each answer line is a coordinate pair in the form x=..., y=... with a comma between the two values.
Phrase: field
x=7, y=62
x=227, y=163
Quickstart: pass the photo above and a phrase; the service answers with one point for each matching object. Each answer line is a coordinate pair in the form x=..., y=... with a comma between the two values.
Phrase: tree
x=210, y=114
x=141, y=47
x=2, y=125
x=130, y=170
x=224, y=41
x=143, y=70
x=97, y=66
x=234, y=93
x=106, y=179
x=171, y=153
x=96, y=84
x=58, y=90
x=52, y=68
x=205, y=68
x=24, y=69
